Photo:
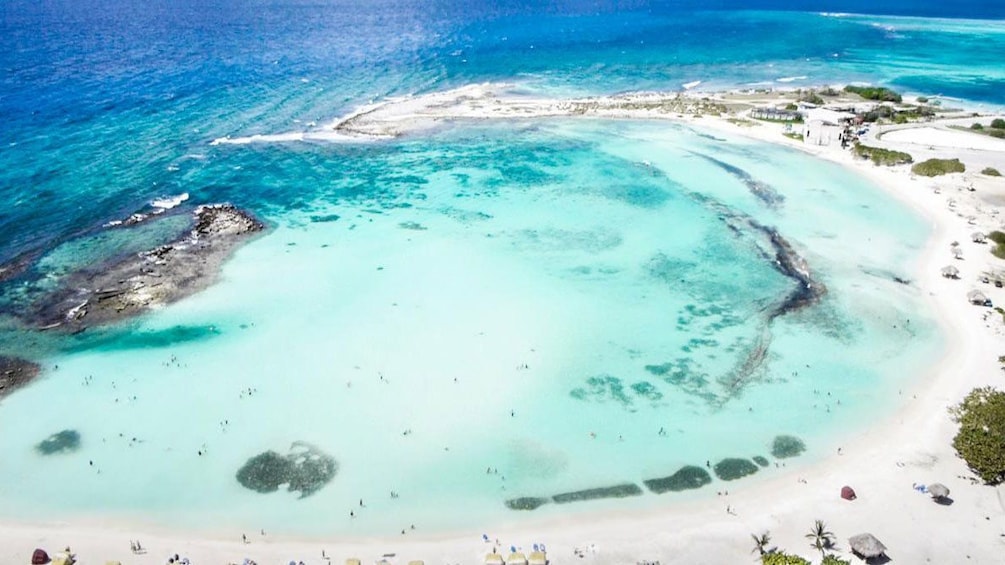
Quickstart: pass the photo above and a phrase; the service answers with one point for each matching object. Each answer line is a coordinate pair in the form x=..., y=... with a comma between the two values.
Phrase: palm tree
x=761, y=543
x=822, y=538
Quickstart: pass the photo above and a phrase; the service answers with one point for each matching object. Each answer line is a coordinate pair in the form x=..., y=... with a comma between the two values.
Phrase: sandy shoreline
x=903, y=447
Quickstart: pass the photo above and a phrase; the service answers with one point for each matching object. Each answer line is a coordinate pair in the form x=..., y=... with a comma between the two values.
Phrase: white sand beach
x=902, y=447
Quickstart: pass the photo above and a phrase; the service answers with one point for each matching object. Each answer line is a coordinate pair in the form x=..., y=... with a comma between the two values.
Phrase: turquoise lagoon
x=537, y=298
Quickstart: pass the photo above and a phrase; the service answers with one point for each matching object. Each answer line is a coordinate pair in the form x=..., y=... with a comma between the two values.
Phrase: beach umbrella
x=938, y=490
x=866, y=545
x=494, y=559
x=977, y=237
x=848, y=493
x=950, y=272
x=39, y=557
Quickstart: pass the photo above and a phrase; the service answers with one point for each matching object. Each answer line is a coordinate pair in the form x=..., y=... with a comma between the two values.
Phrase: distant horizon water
x=462, y=318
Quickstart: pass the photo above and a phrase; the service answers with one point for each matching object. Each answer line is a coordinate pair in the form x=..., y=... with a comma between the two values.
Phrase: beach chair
x=538, y=558
x=417, y=562
x=353, y=561
x=494, y=559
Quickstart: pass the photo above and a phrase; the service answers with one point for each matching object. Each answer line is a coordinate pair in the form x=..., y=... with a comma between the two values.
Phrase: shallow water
x=581, y=298
x=574, y=277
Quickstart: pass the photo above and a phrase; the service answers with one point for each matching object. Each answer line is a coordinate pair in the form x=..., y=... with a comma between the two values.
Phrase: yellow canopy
x=516, y=559
x=62, y=559
x=353, y=561
x=494, y=559
x=417, y=562
x=538, y=558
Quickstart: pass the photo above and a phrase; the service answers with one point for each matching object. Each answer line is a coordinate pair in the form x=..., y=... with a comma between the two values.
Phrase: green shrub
x=881, y=156
x=998, y=123
x=999, y=133
x=874, y=93
x=999, y=238
x=833, y=560
x=936, y=167
x=782, y=559
x=878, y=113
x=976, y=126
x=979, y=442
x=811, y=97
x=991, y=172
x=791, y=106
x=922, y=100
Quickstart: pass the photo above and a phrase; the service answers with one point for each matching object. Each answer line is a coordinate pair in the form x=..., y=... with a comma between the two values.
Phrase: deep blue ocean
x=99, y=101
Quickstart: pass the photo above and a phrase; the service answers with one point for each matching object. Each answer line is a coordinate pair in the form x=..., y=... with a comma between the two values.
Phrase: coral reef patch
x=305, y=469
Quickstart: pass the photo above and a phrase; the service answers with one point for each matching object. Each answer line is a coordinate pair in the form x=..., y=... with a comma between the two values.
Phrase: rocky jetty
x=130, y=285
x=15, y=373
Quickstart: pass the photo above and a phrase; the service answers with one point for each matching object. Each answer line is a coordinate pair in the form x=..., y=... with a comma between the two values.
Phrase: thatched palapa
x=950, y=272
x=938, y=490
x=977, y=297
x=867, y=545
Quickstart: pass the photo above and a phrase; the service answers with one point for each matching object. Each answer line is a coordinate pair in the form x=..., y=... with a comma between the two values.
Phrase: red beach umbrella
x=848, y=493
x=39, y=557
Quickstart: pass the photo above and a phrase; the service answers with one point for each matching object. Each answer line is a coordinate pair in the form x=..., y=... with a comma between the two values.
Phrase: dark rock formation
x=763, y=191
x=616, y=491
x=526, y=503
x=788, y=262
x=734, y=468
x=17, y=265
x=305, y=469
x=59, y=442
x=686, y=478
x=15, y=373
x=784, y=447
x=131, y=285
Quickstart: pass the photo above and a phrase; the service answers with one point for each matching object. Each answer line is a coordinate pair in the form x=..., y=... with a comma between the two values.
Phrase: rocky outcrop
x=15, y=373
x=136, y=283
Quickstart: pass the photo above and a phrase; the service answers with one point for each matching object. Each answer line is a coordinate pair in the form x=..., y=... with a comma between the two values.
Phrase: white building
x=824, y=127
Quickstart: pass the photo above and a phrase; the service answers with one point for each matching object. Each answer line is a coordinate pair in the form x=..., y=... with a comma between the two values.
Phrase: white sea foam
x=323, y=135
x=168, y=202
x=791, y=79
x=690, y=85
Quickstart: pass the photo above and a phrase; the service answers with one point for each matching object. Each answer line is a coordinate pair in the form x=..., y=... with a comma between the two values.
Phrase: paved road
x=974, y=159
